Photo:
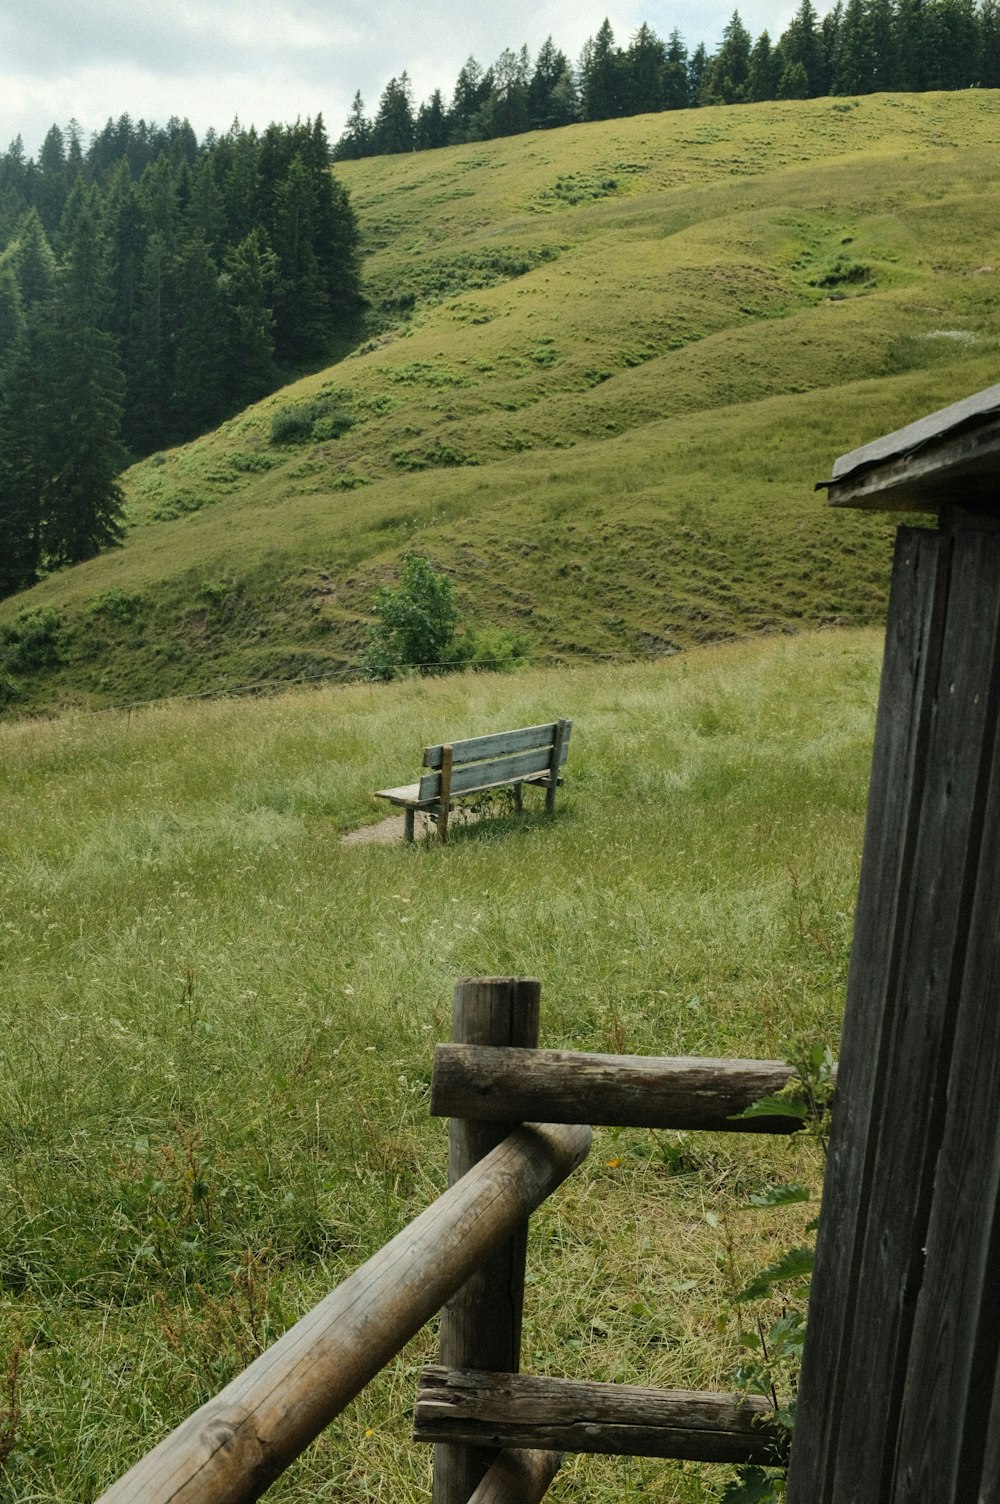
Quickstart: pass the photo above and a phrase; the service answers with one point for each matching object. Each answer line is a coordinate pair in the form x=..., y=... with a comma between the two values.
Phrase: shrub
x=416, y=623
x=494, y=650
x=304, y=422
x=117, y=605
x=34, y=639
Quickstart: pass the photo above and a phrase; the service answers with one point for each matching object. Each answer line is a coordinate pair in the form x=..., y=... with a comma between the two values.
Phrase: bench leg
x=408, y=814
x=519, y=798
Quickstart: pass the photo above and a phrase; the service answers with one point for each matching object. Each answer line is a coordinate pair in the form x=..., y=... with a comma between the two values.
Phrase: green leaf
x=754, y=1486
x=793, y=1264
x=782, y=1195
x=774, y=1107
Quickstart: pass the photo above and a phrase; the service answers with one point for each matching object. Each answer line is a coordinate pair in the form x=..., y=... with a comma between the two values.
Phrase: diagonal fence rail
x=499, y=1436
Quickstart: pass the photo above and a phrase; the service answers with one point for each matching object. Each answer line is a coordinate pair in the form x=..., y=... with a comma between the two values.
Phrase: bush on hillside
x=307, y=422
x=416, y=623
x=494, y=650
x=33, y=640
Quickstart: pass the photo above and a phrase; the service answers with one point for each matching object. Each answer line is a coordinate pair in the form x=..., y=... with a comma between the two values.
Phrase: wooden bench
x=508, y=759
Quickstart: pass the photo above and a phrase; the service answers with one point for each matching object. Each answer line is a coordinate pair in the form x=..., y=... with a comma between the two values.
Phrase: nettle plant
x=774, y=1346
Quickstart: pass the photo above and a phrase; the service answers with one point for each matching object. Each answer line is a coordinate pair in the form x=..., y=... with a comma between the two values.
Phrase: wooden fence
x=498, y=1435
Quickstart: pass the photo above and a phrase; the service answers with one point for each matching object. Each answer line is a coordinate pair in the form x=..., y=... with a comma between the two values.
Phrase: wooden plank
x=558, y=757
x=481, y=1323
x=444, y=794
x=906, y=702
x=408, y=793
x=472, y=777
x=869, y=1300
x=990, y=1490
x=618, y=1419
x=961, y=469
x=231, y=1449
x=641, y=1091
x=497, y=744
x=955, y=1350
x=933, y=428
x=518, y=1477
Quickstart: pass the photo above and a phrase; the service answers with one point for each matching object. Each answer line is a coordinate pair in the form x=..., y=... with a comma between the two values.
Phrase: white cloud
x=264, y=60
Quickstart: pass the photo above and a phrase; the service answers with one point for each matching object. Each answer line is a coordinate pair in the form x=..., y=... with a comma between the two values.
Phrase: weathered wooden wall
x=899, y=1399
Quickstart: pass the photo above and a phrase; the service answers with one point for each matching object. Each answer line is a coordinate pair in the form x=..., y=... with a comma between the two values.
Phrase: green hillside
x=605, y=366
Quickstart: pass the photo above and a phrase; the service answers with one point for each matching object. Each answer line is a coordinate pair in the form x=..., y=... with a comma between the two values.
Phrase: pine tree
x=302, y=307
x=952, y=35
x=393, y=130
x=197, y=396
x=472, y=89
x=552, y=97
x=911, y=44
x=726, y=78
x=20, y=509
x=801, y=43
x=83, y=502
x=149, y=363
x=989, y=44
x=602, y=76
x=646, y=61
x=248, y=286
x=505, y=112
x=431, y=130
x=698, y=64
x=852, y=73
x=762, y=79
x=675, y=74
x=356, y=141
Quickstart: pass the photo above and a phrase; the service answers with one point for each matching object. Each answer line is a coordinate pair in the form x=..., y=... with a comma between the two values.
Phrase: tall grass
x=218, y=1021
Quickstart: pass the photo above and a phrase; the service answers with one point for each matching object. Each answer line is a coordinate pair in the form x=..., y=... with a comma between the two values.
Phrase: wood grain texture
x=904, y=1334
x=565, y=1086
x=230, y=1450
x=955, y=1349
x=518, y=1477
x=486, y=775
x=481, y=1323
x=521, y=1410
x=499, y=744
x=906, y=702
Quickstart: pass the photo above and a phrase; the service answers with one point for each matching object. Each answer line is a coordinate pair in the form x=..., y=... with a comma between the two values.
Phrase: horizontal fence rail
x=625, y=1091
x=232, y=1449
x=520, y=1410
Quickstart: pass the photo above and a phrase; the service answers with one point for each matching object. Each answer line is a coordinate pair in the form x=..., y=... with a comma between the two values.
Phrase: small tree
x=416, y=623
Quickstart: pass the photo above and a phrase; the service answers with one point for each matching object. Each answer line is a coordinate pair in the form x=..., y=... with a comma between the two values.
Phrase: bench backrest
x=482, y=761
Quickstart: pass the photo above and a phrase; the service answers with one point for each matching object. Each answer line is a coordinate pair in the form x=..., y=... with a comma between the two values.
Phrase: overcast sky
x=275, y=60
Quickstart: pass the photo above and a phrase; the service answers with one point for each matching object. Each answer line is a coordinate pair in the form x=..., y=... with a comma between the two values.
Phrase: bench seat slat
x=498, y=744
x=409, y=795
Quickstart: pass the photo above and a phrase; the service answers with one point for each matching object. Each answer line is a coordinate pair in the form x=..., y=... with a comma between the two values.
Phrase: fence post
x=481, y=1324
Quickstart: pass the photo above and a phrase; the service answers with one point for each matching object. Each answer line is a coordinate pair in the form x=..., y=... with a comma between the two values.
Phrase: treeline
x=149, y=287
x=861, y=47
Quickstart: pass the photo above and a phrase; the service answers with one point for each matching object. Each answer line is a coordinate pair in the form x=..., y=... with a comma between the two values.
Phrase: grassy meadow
x=602, y=369
x=218, y=1022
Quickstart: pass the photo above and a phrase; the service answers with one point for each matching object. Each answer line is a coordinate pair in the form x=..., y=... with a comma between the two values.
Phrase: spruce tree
x=248, y=286
x=197, y=396
x=602, y=76
x=676, y=94
x=646, y=61
x=726, y=79
x=431, y=130
x=393, y=129
x=83, y=503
